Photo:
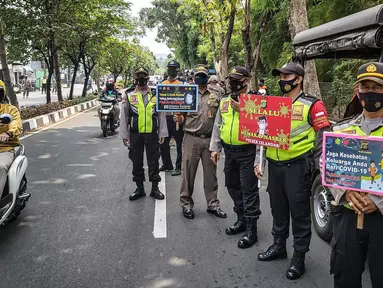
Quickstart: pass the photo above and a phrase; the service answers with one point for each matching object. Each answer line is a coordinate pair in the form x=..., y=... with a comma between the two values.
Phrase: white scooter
x=14, y=197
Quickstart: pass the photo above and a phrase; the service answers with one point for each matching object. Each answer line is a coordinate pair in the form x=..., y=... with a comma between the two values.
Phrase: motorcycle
x=14, y=196
x=107, y=114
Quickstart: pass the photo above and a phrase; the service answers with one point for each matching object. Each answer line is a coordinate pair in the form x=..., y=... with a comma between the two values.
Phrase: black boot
x=156, y=193
x=275, y=251
x=139, y=192
x=237, y=227
x=297, y=266
x=250, y=236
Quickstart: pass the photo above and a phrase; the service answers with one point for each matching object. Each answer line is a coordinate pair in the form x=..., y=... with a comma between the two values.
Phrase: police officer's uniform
x=198, y=127
x=240, y=179
x=143, y=126
x=290, y=178
x=178, y=135
x=352, y=247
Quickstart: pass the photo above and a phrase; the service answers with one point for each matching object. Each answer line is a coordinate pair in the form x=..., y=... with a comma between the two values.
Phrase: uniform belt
x=197, y=134
x=241, y=147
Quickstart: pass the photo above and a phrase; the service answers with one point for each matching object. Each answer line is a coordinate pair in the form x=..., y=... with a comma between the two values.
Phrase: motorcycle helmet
x=110, y=85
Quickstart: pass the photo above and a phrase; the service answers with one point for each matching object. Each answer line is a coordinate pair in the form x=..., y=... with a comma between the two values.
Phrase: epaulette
x=346, y=122
x=309, y=98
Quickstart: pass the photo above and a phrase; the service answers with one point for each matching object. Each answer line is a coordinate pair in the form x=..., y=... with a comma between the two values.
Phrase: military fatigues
x=352, y=247
x=198, y=129
x=143, y=126
x=173, y=132
x=240, y=179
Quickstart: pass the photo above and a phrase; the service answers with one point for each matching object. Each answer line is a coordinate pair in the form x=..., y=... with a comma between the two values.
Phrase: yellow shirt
x=15, y=127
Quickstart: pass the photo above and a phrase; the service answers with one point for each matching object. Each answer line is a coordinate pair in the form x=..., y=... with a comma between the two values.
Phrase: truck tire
x=320, y=209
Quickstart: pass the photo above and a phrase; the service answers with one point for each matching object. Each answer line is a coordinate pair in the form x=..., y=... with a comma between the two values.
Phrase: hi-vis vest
x=230, y=123
x=302, y=134
x=143, y=119
x=352, y=126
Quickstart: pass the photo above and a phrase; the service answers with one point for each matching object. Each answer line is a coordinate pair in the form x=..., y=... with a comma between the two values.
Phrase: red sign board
x=265, y=120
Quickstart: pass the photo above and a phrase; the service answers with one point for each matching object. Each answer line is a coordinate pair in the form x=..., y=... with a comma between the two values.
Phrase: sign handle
x=261, y=164
x=177, y=126
x=360, y=221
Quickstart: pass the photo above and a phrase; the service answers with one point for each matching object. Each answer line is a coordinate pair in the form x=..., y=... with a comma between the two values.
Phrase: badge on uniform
x=297, y=112
x=153, y=100
x=133, y=99
x=225, y=106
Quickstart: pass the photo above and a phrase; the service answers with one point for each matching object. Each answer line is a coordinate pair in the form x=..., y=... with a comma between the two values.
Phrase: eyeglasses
x=370, y=87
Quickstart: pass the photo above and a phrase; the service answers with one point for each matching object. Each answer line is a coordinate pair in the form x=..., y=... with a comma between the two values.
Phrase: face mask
x=262, y=126
x=142, y=81
x=2, y=95
x=288, y=85
x=236, y=86
x=172, y=73
x=201, y=79
x=371, y=101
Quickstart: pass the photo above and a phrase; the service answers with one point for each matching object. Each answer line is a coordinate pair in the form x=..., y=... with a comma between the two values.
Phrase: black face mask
x=287, y=85
x=2, y=95
x=371, y=101
x=236, y=86
x=172, y=73
x=142, y=81
x=201, y=79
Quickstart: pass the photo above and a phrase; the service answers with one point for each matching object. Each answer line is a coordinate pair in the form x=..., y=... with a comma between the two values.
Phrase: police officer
x=142, y=127
x=240, y=179
x=290, y=172
x=198, y=128
x=351, y=247
x=167, y=165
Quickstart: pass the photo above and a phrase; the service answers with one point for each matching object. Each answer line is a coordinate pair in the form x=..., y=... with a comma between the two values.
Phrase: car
x=357, y=36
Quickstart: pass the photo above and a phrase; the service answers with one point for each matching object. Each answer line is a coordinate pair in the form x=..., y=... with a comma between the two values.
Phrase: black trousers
x=165, y=148
x=241, y=181
x=139, y=141
x=289, y=187
x=352, y=247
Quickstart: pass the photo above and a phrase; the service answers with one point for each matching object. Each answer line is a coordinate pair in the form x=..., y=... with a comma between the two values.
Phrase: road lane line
x=160, y=228
x=55, y=124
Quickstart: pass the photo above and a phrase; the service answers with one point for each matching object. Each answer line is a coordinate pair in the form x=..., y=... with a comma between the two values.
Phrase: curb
x=54, y=117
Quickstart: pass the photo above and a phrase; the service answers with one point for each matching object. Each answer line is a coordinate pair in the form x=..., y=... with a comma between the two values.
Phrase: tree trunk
x=226, y=43
x=6, y=74
x=56, y=65
x=68, y=78
x=246, y=39
x=85, y=88
x=49, y=81
x=73, y=81
x=298, y=22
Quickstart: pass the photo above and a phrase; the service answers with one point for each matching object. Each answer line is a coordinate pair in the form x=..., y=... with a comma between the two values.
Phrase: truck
x=357, y=36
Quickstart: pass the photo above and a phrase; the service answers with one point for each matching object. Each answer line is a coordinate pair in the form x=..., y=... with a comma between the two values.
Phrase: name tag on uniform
x=133, y=99
x=225, y=106
x=213, y=103
x=297, y=112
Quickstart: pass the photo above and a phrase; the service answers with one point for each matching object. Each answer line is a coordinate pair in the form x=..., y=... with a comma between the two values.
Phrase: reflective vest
x=230, y=123
x=143, y=119
x=352, y=126
x=302, y=134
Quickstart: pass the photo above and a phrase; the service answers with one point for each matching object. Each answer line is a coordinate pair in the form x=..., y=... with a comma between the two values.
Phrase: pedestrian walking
x=290, y=171
x=178, y=134
x=198, y=128
x=44, y=85
x=240, y=179
x=143, y=128
x=352, y=247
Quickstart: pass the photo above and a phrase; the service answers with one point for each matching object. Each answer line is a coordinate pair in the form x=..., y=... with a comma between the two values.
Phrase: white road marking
x=55, y=124
x=160, y=228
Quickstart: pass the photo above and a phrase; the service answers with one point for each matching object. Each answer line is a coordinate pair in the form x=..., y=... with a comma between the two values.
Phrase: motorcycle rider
x=111, y=91
x=9, y=136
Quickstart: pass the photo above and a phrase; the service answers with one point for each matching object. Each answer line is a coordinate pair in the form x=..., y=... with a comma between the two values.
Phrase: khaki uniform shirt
x=202, y=122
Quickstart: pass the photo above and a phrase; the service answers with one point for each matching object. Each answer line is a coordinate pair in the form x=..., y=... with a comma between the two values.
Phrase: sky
x=149, y=39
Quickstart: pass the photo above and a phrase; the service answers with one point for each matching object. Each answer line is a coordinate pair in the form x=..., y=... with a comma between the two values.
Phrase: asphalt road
x=79, y=228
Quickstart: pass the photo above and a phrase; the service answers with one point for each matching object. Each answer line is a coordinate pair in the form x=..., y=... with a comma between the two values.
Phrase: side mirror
x=5, y=119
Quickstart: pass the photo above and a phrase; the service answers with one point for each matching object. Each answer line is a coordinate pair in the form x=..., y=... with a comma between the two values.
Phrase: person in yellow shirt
x=9, y=136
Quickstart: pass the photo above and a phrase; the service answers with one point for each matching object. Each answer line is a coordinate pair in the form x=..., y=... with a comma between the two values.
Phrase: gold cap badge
x=371, y=68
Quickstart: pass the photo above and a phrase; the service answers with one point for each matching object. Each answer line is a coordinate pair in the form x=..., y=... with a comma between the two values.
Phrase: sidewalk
x=38, y=98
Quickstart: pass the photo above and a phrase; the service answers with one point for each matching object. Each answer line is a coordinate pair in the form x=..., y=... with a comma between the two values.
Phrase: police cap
x=201, y=68
x=371, y=71
x=238, y=72
x=289, y=68
x=141, y=70
x=174, y=64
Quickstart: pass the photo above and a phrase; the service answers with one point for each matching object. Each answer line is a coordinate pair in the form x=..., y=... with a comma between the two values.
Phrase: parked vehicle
x=357, y=36
x=14, y=197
